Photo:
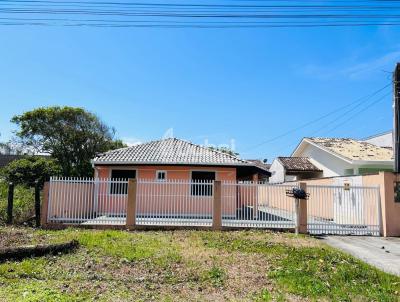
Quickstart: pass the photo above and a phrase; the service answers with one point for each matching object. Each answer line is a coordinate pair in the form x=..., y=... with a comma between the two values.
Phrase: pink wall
x=71, y=200
x=163, y=198
x=173, y=172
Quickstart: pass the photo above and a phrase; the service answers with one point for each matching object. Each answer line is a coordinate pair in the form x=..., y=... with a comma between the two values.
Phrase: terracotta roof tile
x=353, y=149
x=298, y=164
x=169, y=151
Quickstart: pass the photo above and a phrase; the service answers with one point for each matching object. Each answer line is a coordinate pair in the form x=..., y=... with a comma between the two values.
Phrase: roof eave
x=328, y=151
x=94, y=162
x=373, y=162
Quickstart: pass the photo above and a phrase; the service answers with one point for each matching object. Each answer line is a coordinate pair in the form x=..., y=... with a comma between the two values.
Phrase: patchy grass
x=189, y=266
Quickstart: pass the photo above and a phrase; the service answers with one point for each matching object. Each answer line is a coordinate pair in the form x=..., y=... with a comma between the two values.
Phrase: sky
x=250, y=89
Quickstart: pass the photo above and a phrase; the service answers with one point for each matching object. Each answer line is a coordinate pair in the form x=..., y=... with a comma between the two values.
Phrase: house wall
x=171, y=196
x=389, y=208
x=277, y=172
x=173, y=172
x=383, y=140
x=69, y=199
x=328, y=163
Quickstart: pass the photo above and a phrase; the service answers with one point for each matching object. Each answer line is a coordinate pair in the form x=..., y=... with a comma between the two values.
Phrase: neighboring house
x=345, y=156
x=293, y=168
x=174, y=159
x=382, y=140
x=5, y=159
x=263, y=166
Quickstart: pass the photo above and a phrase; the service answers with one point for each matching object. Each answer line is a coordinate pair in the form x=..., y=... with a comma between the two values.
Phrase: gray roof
x=169, y=151
x=298, y=164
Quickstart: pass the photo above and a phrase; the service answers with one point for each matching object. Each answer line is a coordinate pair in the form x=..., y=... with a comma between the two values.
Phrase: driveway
x=383, y=253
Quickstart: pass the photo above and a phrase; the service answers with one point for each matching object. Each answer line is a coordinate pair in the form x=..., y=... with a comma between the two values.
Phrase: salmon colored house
x=191, y=167
x=175, y=159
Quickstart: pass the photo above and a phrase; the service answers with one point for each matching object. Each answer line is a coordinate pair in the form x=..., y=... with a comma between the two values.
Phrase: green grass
x=24, y=204
x=190, y=266
x=315, y=272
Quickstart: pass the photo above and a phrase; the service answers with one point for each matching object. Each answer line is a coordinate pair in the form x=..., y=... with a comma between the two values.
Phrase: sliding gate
x=343, y=210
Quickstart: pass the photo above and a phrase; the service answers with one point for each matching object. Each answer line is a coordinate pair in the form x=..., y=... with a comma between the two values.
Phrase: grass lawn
x=189, y=266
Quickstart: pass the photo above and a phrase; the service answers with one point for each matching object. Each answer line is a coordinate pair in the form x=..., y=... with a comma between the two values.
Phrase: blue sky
x=246, y=85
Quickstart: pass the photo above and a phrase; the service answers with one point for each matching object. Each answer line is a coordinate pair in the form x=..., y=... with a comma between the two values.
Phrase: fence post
x=45, y=204
x=37, y=204
x=10, y=203
x=131, y=206
x=217, y=206
x=301, y=212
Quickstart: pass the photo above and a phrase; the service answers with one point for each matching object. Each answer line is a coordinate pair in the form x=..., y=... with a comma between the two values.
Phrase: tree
x=71, y=135
x=225, y=150
x=28, y=170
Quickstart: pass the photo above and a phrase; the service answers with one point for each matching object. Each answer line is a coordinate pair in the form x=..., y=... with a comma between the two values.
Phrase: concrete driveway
x=383, y=253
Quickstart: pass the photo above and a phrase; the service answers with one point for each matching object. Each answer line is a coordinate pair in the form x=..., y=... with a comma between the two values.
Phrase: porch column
x=301, y=212
x=390, y=209
x=254, y=195
x=217, y=206
x=131, y=206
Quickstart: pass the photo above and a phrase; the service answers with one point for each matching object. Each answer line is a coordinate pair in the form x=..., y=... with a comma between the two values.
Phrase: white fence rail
x=344, y=211
x=87, y=201
x=257, y=205
x=330, y=209
x=174, y=202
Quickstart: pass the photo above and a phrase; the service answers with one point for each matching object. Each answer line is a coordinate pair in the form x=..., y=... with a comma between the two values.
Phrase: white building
x=285, y=169
x=345, y=156
x=382, y=140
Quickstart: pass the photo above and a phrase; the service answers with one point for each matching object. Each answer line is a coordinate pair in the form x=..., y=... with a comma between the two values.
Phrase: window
x=161, y=175
x=349, y=172
x=202, y=183
x=121, y=188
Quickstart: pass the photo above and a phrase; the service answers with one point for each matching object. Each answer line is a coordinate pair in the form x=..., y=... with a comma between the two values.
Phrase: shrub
x=24, y=204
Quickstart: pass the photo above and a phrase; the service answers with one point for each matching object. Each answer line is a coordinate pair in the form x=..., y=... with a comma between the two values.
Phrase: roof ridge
x=166, y=151
x=220, y=152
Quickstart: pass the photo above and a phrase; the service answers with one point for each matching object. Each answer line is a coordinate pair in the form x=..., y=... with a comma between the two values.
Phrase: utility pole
x=396, y=125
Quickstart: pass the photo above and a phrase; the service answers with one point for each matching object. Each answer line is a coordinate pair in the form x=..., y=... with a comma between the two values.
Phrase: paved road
x=383, y=253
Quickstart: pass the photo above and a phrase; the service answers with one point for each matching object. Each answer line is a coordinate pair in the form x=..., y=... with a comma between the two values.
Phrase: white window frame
x=165, y=175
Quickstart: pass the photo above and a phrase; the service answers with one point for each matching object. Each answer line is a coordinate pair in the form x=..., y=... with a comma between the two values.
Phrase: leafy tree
x=28, y=170
x=225, y=150
x=71, y=135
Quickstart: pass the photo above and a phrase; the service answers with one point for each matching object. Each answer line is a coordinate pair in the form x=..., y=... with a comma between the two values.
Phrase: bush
x=24, y=203
x=28, y=170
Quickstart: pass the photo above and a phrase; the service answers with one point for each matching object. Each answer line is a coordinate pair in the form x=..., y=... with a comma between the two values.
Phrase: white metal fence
x=174, y=202
x=331, y=209
x=87, y=201
x=345, y=211
x=257, y=205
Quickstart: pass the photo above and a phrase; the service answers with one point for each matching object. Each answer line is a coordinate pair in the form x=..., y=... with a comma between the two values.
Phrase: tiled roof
x=169, y=151
x=260, y=164
x=353, y=149
x=298, y=164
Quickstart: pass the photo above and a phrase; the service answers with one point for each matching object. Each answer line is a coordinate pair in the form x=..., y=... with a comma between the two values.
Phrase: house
x=344, y=156
x=292, y=169
x=384, y=139
x=175, y=159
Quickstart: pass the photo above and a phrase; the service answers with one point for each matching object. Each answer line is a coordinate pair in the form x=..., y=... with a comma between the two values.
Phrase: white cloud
x=131, y=141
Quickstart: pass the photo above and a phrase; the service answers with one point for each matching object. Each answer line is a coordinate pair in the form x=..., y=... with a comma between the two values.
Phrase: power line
x=279, y=13
x=357, y=103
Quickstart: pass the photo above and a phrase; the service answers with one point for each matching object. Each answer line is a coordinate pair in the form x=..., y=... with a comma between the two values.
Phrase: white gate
x=344, y=210
x=257, y=205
